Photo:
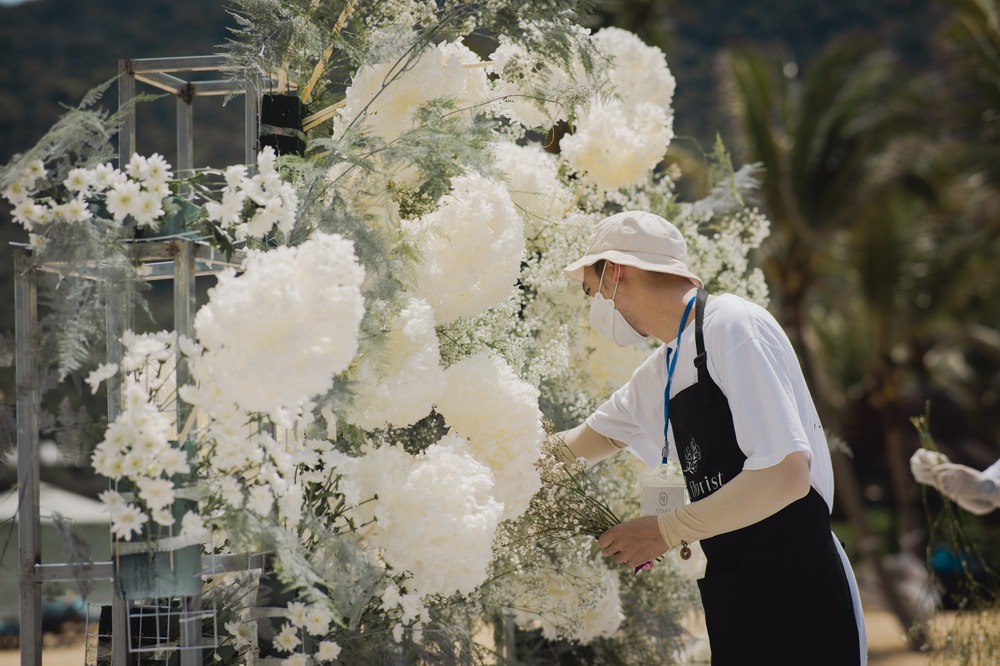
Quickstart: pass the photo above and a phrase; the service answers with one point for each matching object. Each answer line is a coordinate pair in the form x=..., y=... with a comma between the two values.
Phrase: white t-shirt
x=752, y=361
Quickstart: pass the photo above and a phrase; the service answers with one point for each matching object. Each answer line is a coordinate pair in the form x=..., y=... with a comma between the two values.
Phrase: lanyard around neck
x=671, y=364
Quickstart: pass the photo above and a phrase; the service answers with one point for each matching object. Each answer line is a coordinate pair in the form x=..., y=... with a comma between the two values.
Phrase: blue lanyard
x=671, y=364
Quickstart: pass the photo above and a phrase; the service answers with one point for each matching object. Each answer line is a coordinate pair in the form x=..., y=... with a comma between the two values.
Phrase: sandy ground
x=887, y=646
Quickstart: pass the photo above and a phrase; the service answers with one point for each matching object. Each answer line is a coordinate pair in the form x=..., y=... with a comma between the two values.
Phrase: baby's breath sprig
x=568, y=504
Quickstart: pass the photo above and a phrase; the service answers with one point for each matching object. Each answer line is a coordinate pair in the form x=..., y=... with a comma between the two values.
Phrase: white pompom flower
x=400, y=386
x=471, y=249
x=386, y=96
x=612, y=148
x=279, y=333
x=498, y=413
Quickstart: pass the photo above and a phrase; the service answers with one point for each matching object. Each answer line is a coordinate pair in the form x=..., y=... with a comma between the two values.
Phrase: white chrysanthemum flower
x=260, y=500
x=243, y=633
x=113, y=500
x=156, y=493
x=148, y=209
x=107, y=176
x=157, y=171
x=532, y=178
x=399, y=388
x=127, y=521
x=297, y=659
x=229, y=211
x=34, y=171
x=193, y=527
x=295, y=611
x=288, y=638
x=386, y=96
x=471, y=249
x=611, y=148
x=101, y=373
x=137, y=167
x=124, y=199
x=79, y=180
x=234, y=175
x=73, y=211
x=279, y=333
x=498, y=412
x=163, y=517
x=16, y=192
x=29, y=213
x=328, y=651
x=318, y=619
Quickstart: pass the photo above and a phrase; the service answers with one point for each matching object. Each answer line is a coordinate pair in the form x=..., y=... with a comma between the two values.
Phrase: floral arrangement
x=365, y=396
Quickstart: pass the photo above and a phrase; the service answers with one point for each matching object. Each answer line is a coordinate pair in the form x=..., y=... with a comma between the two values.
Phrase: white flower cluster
x=400, y=388
x=277, y=334
x=617, y=142
x=527, y=87
x=498, y=413
x=139, y=448
x=435, y=512
x=409, y=608
x=576, y=598
x=310, y=623
x=253, y=206
x=387, y=95
x=533, y=182
x=471, y=247
x=137, y=192
x=720, y=246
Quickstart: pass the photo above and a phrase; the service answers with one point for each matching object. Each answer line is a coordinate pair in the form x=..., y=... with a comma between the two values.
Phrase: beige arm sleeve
x=750, y=497
x=585, y=442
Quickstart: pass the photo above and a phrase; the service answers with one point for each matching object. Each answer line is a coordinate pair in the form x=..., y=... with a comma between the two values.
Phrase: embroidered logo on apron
x=692, y=456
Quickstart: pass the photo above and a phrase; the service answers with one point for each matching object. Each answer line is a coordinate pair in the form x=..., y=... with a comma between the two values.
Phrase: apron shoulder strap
x=699, y=336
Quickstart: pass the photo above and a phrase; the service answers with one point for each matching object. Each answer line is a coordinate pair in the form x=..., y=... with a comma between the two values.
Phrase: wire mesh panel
x=157, y=627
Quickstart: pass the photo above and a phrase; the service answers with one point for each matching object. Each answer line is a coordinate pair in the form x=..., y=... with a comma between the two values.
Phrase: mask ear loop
x=600, y=283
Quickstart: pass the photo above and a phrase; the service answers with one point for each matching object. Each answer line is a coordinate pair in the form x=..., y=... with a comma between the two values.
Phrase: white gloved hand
x=922, y=465
x=965, y=486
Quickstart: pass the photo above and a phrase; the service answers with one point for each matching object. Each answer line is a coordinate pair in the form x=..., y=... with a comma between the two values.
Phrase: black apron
x=775, y=593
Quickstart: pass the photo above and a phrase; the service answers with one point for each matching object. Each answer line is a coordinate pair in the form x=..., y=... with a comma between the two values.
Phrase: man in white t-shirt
x=739, y=419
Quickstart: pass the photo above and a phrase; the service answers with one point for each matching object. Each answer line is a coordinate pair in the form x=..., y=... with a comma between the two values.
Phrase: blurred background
x=878, y=124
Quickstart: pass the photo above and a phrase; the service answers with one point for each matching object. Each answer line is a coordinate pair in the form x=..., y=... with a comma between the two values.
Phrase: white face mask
x=608, y=321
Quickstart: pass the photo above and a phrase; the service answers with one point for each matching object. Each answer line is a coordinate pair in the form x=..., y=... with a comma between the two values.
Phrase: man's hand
x=633, y=542
x=922, y=464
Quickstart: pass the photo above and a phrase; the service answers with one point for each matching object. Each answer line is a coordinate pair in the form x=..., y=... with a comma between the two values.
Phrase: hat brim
x=646, y=261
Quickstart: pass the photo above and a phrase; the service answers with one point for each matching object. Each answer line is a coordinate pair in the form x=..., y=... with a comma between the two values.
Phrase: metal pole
x=185, y=135
x=118, y=319
x=252, y=115
x=28, y=522
x=126, y=130
x=184, y=306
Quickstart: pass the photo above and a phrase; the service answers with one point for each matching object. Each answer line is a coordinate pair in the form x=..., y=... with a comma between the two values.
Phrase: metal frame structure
x=180, y=259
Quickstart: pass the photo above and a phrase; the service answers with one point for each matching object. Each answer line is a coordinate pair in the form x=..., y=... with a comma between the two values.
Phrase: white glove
x=965, y=486
x=922, y=465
